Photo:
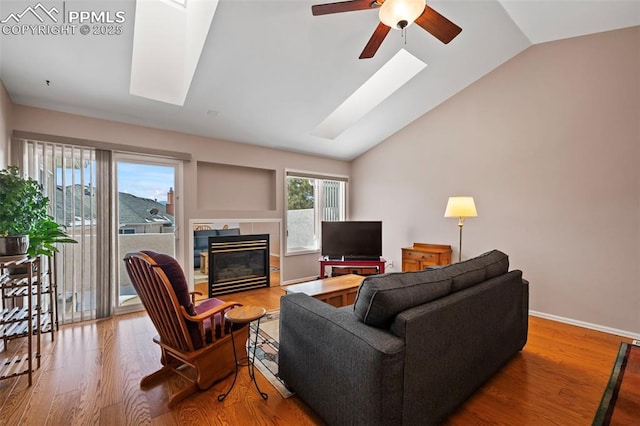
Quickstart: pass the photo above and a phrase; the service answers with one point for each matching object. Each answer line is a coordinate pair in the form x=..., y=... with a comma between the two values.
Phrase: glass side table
x=245, y=315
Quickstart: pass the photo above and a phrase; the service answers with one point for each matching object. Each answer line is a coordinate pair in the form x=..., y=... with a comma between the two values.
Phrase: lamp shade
x=394, y=11
x=461, y=207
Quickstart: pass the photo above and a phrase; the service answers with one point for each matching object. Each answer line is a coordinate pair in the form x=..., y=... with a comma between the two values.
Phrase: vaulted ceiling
x=269, y=72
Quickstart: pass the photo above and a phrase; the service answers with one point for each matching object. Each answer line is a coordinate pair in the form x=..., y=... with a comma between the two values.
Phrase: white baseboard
x=584, y=324
x=299, y=280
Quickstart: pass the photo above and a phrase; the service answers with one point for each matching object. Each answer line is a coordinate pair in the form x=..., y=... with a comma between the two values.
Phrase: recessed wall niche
x=240, y=188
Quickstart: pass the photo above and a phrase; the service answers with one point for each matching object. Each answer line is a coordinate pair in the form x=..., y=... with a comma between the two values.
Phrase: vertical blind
x=77, y=177
x=70, y=179
x=332, y=196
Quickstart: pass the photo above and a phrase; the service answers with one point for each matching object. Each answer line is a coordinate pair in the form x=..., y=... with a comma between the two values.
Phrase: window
x=312, y=199
x=146, y=215
x=80, y=181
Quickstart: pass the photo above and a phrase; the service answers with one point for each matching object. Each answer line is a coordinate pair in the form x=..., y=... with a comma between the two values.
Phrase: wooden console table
x=355, y=263
x=336, y=291
x=421, y=255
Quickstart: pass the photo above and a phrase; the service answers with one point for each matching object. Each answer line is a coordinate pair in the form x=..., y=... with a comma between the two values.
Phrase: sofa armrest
x=525, y=312
x=346, y=371
x=455, y=343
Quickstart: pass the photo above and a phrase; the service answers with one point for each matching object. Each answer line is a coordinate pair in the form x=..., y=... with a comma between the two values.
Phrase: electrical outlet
x=390, y=264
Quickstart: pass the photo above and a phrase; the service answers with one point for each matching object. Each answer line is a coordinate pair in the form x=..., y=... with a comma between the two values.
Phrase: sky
x=142, y=180
x=145, y=180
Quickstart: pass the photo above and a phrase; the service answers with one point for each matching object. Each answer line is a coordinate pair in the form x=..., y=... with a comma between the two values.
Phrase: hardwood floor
x=91, y=373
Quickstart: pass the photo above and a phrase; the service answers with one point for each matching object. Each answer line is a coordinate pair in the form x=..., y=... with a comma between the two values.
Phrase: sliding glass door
x=111, y=204
x=146, y=215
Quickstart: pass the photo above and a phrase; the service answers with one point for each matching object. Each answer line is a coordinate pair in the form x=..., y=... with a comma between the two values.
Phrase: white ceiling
x=270, y=72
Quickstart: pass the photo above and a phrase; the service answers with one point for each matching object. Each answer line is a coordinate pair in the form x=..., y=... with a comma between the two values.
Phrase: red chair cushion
x=173, y=271
x=175, y=274
x=204, y=306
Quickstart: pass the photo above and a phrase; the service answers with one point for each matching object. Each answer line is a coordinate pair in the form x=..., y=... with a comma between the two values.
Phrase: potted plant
x=22, y=204
x=44, y=234
x=24, y=217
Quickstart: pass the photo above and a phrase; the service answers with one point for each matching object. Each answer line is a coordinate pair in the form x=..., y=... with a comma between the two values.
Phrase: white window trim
x=129, y=157
x=311, y=175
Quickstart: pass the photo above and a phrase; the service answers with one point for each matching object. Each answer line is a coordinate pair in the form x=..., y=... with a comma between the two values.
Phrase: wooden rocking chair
x=190, y=337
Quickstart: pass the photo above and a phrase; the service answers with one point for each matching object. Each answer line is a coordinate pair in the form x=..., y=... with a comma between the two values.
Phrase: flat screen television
x=352, y=240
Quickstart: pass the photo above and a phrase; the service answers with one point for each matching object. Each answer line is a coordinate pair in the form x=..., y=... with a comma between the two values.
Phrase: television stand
x=360, y=258
x=324, y=261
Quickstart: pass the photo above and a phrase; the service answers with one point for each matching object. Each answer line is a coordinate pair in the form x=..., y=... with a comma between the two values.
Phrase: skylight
x=168, y=39
x=182, y=3
x=401, y=68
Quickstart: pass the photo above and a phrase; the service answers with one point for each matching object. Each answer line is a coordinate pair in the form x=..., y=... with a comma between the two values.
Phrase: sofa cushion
x=497, y=263
x=467, y=273
x=381, y=297
x=478, y=269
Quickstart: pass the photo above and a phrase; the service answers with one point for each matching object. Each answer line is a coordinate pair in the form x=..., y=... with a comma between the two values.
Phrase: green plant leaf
x=24, y=211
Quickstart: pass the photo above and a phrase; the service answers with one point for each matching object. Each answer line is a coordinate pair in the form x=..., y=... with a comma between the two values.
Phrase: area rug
x=267, y=350
x=620, y=404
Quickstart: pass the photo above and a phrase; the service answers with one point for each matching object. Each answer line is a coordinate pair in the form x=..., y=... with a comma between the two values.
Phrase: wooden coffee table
x=336, y=291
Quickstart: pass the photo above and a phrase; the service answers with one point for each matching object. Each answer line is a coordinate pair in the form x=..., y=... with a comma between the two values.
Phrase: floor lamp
x=460, y=207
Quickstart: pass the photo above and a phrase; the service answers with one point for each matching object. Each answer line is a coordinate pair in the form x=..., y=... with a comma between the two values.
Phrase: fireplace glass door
x=237, y=263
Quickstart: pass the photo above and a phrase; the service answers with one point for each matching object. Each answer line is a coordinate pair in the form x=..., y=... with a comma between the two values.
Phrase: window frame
x=317, y=208
x=117, y=264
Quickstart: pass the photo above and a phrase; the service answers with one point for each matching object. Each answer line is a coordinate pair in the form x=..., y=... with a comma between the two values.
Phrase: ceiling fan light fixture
x=399, y=14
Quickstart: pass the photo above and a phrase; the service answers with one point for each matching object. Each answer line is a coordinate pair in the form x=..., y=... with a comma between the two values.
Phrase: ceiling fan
x=397, y=14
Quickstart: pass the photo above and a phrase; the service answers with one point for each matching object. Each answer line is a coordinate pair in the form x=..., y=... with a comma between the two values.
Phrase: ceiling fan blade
x=343, y=6
x=437, y=25
x=375, y=41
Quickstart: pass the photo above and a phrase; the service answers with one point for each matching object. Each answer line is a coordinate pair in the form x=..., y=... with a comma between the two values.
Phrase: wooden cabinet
x=421, y=255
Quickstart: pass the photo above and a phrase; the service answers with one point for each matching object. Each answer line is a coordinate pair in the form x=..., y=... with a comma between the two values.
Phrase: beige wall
x=548, y=144
x=203, y=150
x=5, y=125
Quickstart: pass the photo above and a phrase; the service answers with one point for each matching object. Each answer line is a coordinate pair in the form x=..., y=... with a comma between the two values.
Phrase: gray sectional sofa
x=413, y=347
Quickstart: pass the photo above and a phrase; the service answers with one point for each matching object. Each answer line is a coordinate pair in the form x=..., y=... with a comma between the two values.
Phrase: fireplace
x=238, y=263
